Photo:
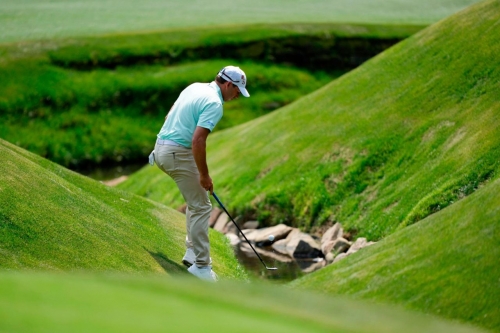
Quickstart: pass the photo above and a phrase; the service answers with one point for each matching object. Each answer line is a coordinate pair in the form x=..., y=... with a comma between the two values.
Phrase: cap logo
x=243, y=80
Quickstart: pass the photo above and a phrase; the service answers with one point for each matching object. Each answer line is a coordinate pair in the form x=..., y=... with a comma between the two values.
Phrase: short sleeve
x=210, y=116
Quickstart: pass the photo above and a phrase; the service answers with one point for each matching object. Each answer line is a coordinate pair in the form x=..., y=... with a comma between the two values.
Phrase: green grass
x=42, y=19
x=34, y=302
x=64, y=99
x=85, y=109
x=446, y=264
x=54, y=219
x=79, y=256
x=399, y=138
x=404, y=136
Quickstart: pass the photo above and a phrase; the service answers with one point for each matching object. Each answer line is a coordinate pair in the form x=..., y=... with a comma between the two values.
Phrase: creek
x=107, y=173
x=288, y=269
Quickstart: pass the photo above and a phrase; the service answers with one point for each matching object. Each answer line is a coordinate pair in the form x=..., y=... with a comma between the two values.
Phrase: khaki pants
x=179, y=164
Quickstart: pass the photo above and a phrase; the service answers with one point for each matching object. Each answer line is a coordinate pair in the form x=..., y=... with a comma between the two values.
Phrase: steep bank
x=56, y=220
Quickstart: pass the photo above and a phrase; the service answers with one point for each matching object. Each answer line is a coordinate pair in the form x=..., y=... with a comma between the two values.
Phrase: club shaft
x=241, y=232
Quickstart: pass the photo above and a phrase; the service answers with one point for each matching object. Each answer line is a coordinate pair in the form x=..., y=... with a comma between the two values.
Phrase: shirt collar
x=215, y=86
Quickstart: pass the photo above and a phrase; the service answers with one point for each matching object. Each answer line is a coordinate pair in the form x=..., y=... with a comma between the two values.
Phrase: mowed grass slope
x=404, y=135
x=54, y=219
x=116, y=303
x=446, y=265
x=41, y=19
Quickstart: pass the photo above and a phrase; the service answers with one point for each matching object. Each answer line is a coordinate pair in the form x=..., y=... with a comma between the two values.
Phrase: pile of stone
x=289, y=243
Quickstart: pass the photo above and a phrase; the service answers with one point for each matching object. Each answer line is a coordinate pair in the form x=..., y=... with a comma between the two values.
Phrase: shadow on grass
x=168, y=265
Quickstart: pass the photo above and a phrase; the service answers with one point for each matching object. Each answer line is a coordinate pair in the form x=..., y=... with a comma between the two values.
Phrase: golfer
x=180, y=152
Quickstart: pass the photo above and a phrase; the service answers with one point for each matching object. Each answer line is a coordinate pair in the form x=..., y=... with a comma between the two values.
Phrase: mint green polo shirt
x=200, y=104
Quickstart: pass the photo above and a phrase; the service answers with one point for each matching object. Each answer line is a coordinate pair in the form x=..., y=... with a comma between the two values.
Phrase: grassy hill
x=87, y=303
x=399, y=138
x=446, y=264
x=40, y=19
x=54, y=219
x=67, y=241
x=73, y=73
x=63, y=99
x=404, y=136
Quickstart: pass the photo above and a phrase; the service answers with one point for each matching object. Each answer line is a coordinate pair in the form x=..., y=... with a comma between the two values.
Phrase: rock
x=250, y=225
x=336, y=231
x=359, y=244
x=302, y=245
x=338, y=245
x=308, y=266
x=307, y=248
x=221, y=222
x=280, y=246
x=329, y=257
x=249, y=233
x=245, y=248
x=340, y=257
x=231, y=228
x=214, y=215
x=261, y=236
x=233, y=239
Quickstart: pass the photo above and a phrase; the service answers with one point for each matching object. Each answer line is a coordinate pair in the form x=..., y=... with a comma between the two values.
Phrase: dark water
x=288, y=268
x=111, y=172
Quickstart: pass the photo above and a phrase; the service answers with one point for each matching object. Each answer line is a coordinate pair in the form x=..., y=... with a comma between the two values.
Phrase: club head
x=272, y=268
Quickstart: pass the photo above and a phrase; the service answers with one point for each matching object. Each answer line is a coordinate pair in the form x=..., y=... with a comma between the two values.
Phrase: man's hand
x=199, y=144
x=206, y=183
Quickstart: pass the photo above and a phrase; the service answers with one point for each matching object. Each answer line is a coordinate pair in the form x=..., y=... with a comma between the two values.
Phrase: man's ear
x=226, y=85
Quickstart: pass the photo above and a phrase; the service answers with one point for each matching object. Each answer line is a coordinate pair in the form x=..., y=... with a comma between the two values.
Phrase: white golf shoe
x=205, y=273
x=189, y=258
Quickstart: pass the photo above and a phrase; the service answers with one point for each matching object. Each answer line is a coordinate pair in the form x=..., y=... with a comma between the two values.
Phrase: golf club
x=241, y=232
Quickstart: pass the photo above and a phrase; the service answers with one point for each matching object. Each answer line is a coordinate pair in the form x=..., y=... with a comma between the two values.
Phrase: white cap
x=236, y=76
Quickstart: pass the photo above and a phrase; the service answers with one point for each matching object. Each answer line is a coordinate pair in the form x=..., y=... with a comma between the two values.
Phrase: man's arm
x=199, y=147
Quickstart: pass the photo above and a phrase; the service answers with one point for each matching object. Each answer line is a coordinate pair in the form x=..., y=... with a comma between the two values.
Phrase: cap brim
x=243, y=91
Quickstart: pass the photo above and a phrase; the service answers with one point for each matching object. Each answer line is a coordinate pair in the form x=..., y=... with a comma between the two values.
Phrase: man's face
x=230, y=92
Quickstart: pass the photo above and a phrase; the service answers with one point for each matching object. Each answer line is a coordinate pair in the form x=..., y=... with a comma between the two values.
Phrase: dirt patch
x=456, y=138
x=431, y=133
x=115, y=182
x=339, y=153
x=391, y=206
